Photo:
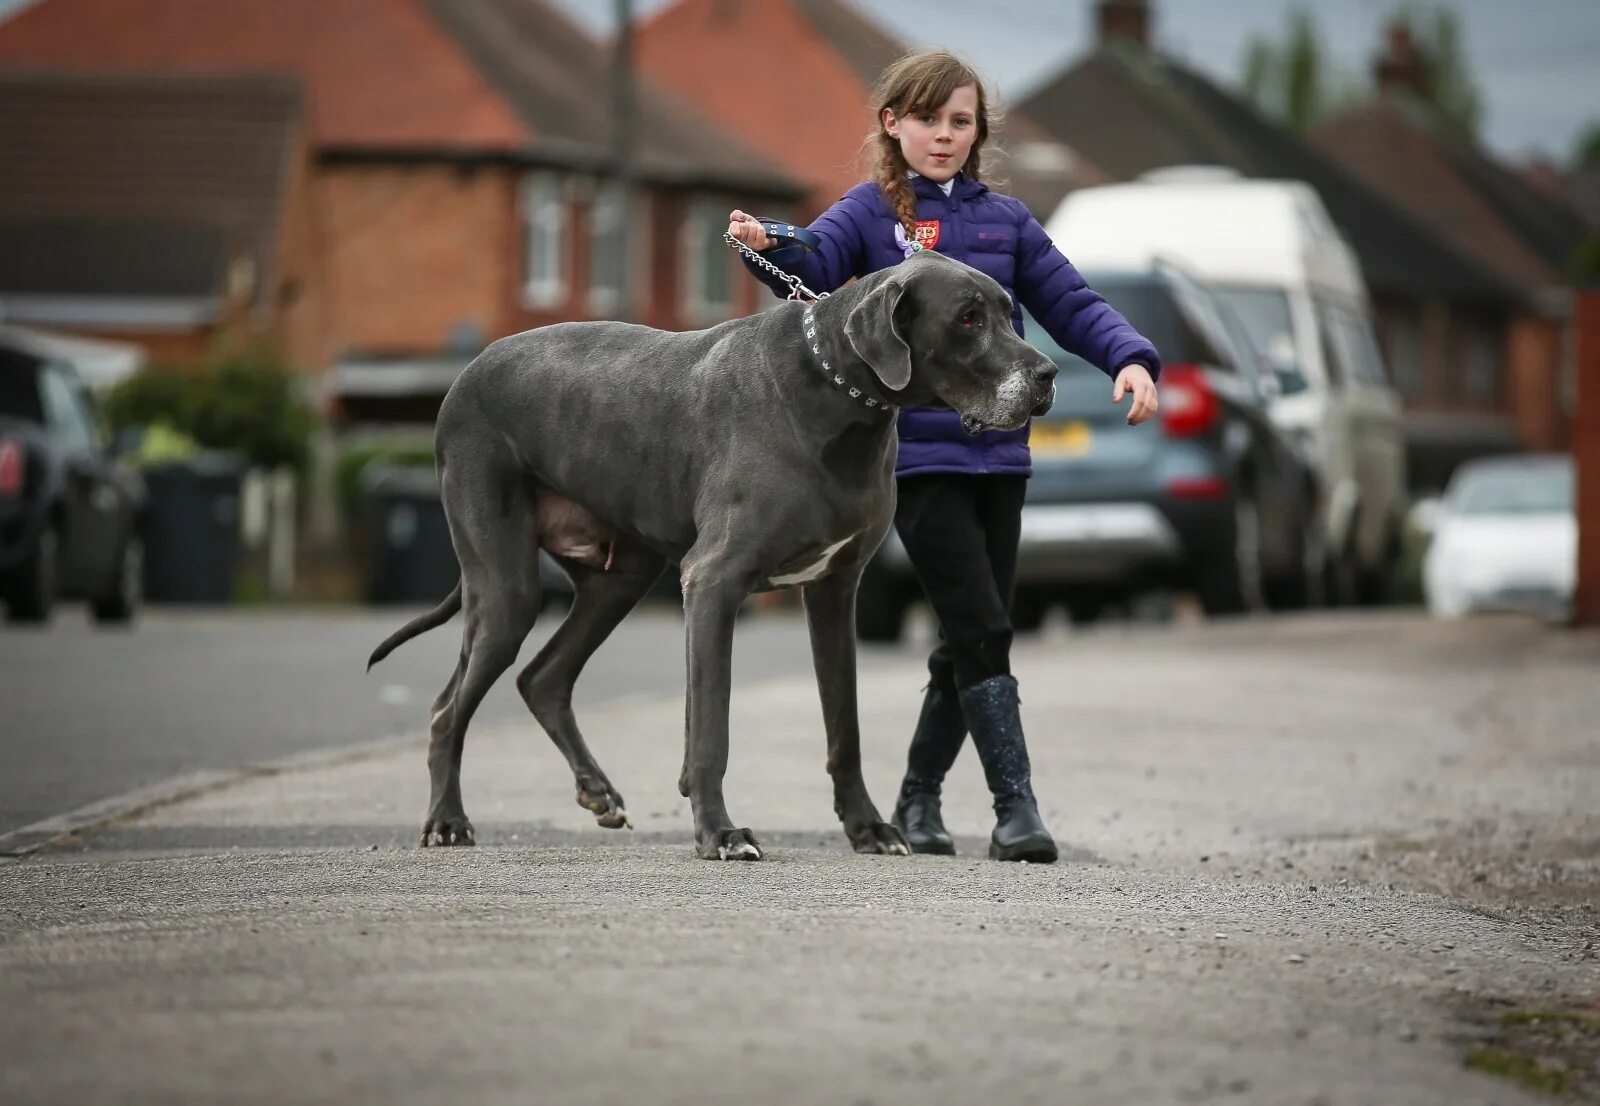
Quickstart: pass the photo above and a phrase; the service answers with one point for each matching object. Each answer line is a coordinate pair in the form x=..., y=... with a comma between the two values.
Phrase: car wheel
x=880, y=609
x=33, y=584
x=1340, y=578
x=121, y=603
x=1084, y=612
x=1305, y=587
x=1375, y=586
x=1028, y=609
x=1230, y=583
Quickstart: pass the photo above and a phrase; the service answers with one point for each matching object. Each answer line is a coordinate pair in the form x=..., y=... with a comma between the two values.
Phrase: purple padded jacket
x=996, y=235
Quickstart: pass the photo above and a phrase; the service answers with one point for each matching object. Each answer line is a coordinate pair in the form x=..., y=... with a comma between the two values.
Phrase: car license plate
x=1061, y=439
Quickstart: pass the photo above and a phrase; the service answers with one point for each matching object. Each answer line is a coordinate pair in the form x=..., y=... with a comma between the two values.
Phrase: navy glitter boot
x=995, y=719
x=939, y=734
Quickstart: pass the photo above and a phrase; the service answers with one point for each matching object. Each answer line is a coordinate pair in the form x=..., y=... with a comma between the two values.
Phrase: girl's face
x=936, y=143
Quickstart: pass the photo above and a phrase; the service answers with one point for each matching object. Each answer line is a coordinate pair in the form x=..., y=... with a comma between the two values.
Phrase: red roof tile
x=763, y=71
x=558, y=80
x=1133, y=110
x=146, y=185
x=378, y=72
x=467, y=76
x=1417, y=171
x=793, y=78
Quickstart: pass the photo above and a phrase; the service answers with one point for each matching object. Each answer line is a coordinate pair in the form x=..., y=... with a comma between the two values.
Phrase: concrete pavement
x=1308, y=860
x=96, y=713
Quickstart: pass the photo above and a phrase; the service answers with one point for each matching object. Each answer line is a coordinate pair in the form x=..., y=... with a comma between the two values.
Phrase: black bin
x=409, y=555
x=191, y=528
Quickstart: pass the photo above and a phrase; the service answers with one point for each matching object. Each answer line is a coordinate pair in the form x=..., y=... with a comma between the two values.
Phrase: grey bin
x=191, y=528
x=409, y=556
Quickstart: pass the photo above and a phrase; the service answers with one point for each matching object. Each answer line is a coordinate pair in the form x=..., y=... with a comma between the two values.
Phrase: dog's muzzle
x=1046, y=401
x=1026, y=392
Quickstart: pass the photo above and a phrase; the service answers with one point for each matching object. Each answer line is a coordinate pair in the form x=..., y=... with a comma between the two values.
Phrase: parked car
x=1274, y=256
x=1505, y=537
x=1211, y=495
x=69, y=514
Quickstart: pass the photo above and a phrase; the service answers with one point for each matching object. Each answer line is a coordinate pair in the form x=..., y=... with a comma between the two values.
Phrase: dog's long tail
x=441, y=614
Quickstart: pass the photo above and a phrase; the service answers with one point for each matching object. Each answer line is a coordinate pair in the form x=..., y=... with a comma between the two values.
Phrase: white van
x=1271, y=252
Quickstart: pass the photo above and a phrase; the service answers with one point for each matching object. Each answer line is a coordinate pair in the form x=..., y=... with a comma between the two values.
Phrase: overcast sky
x=1536, y=61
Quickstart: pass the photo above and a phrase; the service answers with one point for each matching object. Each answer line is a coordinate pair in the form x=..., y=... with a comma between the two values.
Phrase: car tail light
x=1197, y=487
x=1188, y=405
x=10, y=468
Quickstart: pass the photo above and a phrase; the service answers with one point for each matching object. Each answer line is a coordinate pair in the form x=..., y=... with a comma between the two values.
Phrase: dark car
x=69, y=514
x=1209, y=496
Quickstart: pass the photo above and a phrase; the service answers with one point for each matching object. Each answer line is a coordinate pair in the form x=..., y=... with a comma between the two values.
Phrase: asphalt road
x=86, y=714
x=1321, y=861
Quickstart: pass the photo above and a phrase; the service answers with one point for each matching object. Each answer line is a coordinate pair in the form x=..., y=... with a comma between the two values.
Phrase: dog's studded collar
x=837, y=380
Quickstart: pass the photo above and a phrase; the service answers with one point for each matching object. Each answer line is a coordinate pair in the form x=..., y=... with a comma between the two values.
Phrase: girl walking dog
x=959, y=511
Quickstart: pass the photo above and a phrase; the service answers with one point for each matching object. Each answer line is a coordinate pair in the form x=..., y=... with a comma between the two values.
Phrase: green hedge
x=245, y=400
x=353, y=462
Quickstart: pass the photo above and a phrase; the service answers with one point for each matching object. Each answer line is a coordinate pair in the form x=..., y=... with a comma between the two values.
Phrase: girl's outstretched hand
x=747, y=229
x=1135, y=378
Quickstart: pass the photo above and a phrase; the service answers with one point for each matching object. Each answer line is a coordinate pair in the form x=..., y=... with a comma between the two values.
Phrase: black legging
x=960, y=531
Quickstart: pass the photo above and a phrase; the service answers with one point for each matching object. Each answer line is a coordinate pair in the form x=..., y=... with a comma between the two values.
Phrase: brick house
x=460, y=184
x=157, y=210
x=1446, y=315
x=793, y=78
x=1398, y=146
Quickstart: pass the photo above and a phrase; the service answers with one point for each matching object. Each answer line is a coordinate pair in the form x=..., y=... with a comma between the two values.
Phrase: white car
x=1274, y=256
x=1505, y=537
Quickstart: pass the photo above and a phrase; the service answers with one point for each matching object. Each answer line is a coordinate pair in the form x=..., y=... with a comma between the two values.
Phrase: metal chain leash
x=797, y=289
x=800, y=293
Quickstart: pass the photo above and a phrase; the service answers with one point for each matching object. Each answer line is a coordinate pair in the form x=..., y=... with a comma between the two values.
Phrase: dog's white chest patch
x=812, y=571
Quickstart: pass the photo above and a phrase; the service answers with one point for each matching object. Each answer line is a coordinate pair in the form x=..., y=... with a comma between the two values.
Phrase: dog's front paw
x=878, y=837
x=728, y=844
x=601, y=799
x=447, y=829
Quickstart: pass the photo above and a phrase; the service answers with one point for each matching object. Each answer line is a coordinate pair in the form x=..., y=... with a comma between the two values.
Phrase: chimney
x=1401, y=67
x=1124, y=20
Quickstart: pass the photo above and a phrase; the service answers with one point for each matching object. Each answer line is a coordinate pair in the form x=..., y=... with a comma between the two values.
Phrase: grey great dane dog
x=757, y=454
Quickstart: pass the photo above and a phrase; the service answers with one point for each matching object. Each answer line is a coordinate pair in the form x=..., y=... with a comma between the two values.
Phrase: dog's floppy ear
x=872, y=335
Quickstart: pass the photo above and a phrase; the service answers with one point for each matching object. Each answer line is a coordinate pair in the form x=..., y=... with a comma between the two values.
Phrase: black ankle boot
x=994, y=716
x=1019, y=833
x=918, y=815
x=934, y=745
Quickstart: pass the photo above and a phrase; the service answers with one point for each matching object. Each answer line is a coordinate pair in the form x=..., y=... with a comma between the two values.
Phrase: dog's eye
x=972, y=320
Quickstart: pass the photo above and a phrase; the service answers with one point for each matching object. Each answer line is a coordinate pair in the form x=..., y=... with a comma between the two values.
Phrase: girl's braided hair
x=916, y=83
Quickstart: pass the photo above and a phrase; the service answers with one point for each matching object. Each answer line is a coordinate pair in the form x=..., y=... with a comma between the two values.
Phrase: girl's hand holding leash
x=1135, y=378
x=747, y=229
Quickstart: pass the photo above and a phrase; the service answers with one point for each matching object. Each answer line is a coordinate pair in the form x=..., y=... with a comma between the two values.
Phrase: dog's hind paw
x=731, y=844
x=605, y=804
x=447, y=831
x=878, y=837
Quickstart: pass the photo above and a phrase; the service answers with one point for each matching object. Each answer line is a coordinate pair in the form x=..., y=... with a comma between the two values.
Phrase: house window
x=607, y=230
x=1405, y=351
x=544, y=211
x=1481, y=365
x=708, y=262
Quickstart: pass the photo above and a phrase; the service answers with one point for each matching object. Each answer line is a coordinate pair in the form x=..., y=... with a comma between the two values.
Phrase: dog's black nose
x=1044, y=374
